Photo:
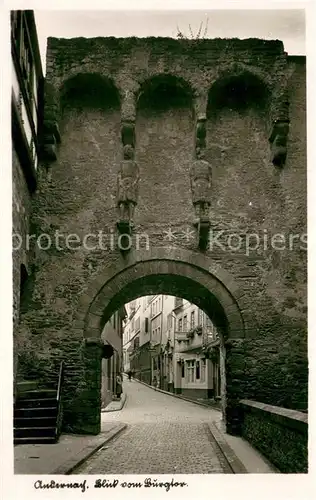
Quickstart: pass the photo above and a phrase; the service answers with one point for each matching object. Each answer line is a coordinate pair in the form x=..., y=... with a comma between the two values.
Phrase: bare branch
x=200, y=29
x=206, y=28
x=179, y=33
x=191, y=32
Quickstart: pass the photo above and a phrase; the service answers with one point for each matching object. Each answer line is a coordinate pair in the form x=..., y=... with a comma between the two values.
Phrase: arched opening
x=163, y=92
x=237, y=93
x=165, y=276
x=89, y=90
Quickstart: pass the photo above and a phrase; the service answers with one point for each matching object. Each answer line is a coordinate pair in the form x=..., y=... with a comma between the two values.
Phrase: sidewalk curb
x=179, y=397
x=233, y=462
x=123, y=401
x=74, y=462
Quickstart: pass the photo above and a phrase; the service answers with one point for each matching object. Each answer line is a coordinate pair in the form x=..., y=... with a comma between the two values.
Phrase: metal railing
x=59, y=400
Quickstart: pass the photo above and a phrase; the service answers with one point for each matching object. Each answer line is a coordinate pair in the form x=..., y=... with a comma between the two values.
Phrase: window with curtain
x=185, y=323
x=197, y=370
x=203, y=370
x=190, y=371
x=192, y=323
x=200, y=317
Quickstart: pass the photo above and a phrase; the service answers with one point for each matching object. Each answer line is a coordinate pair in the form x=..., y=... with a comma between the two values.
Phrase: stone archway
x=170, y=271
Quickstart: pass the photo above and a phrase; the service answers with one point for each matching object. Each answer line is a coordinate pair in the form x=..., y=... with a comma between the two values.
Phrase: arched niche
x=163, y=92
x=89, y=91
x=238, y=92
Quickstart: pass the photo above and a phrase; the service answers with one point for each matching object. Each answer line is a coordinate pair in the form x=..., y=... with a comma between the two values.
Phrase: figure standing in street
x=119, y=388
x=129, y=375
x=155, y=382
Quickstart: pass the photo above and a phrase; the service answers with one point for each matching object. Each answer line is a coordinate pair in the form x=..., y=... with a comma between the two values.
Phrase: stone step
x=35, y=412
x=36, y=440
x=26, y=385
x=34, y=432
x=38, y=394
x=35, y=403
x=27, y=422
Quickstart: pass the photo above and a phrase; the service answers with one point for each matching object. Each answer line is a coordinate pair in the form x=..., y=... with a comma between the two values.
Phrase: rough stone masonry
x=236, y=110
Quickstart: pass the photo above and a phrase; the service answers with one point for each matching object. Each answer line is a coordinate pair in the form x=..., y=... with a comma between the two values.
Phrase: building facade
x=137, y=339
x=172, y=343
x=196, y=348
x=27, y=120
x=112, y=364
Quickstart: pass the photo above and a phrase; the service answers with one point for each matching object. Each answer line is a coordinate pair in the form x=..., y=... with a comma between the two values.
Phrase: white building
x=171, y=342
x=195, y=337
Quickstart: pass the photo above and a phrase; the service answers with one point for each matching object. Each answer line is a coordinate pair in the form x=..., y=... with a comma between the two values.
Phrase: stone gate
x=176, y=167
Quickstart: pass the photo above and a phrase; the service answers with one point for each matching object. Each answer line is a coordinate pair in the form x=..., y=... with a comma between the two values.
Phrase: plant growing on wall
x=190, y=333
x=199, y=330
x=214, y=355
x=197, y=36
x=194, y=331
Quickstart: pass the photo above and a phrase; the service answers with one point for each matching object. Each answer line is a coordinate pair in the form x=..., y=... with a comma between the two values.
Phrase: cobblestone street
x=164, y=435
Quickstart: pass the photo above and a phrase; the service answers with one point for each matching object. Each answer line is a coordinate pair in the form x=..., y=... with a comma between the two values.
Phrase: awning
x=112, y=337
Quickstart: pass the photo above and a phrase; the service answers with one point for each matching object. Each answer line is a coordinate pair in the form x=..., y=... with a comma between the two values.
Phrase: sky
x=285, y=25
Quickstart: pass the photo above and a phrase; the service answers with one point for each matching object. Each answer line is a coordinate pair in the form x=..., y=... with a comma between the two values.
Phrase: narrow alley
x=164, y=435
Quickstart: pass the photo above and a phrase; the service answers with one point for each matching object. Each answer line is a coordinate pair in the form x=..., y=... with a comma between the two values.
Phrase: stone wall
x=21, y=261
x=280, y=434
x=97, y=84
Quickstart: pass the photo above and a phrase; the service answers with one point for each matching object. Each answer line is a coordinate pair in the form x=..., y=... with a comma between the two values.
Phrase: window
x=190, y=370
x=169, y=321
x=200, y=317
x=137, y=324
x=158, y=331
x=180, y=325
x=185, y=323
x=182, y=369
x=146, y=325
x=208, y=322
x=197, y=370
x=178, y=302
x=203, y=370
x=192, y=325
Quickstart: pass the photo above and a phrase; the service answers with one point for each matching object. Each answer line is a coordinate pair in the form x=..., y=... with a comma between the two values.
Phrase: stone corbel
x=128, y=133
x=128, y=176
x=278, y=142
x=200, y=133
x=51, y=137
x=204, y=226
x=106, y=350
x=201, y=174
x=280, y=129
x=93, y=341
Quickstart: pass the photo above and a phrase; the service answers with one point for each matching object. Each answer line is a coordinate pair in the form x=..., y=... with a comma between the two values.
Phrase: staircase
x=38, y=414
